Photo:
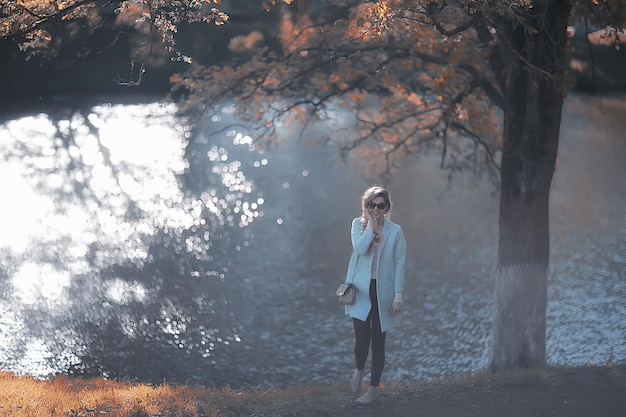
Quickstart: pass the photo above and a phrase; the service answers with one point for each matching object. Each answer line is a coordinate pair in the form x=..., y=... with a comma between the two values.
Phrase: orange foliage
x=31, y=18
x=397, y=77
x=296, y=34
x=245, y=43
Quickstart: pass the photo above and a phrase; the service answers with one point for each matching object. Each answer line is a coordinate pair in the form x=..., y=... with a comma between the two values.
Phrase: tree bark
x=534, y=53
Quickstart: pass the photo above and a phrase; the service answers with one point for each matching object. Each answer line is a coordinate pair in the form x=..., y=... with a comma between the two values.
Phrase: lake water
x=134, y=247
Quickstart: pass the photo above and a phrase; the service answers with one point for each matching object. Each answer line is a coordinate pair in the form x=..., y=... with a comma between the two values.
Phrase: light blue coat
x=390, y=274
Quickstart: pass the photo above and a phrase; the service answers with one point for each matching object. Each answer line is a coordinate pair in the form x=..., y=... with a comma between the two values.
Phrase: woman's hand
x=370, y=219
x=395, y=308
x=375, y=223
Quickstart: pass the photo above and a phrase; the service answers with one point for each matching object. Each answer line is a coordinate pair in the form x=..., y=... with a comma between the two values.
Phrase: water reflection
x=133, y=247
x=102, y=246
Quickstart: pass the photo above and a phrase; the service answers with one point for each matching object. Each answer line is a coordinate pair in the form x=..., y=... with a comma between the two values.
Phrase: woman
x=377, y=271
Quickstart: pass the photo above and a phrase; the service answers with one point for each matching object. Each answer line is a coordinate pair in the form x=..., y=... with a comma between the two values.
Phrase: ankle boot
x=369, y=396
x=357, y=379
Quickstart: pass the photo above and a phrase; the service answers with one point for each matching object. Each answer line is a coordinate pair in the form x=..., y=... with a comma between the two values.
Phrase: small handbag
x=345, y=292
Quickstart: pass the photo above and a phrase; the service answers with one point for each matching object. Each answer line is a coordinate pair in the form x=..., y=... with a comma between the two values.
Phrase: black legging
x=366, y=331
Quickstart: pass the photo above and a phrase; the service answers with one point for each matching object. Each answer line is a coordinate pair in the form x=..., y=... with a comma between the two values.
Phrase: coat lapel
x=386, y=232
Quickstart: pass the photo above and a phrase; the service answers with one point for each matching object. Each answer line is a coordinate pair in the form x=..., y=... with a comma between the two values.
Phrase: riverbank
x=556, y=391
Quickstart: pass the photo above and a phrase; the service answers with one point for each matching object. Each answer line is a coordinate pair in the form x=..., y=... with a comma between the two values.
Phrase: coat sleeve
x=399, y=259
x=361, y=240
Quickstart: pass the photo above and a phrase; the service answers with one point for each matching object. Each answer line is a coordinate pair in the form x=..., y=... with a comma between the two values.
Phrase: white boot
x=369, y=396
x=356, y=381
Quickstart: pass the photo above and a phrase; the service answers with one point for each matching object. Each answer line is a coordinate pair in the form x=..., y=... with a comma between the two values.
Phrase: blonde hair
x=370, y=194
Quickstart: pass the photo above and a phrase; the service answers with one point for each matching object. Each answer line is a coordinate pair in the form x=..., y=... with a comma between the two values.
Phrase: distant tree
x=480, y=81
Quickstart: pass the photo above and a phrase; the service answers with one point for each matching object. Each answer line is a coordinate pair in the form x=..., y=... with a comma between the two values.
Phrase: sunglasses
x=379, y=206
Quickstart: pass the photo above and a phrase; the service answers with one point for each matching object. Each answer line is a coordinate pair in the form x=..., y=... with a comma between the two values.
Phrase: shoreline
x=585, y=391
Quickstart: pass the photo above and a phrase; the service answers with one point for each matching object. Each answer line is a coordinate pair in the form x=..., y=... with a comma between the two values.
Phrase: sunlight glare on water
x=19, y=221
x=120, y=161
x=89, y=190
x=33, y=282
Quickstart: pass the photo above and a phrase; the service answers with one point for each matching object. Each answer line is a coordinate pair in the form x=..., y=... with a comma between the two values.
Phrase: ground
x=590, y=391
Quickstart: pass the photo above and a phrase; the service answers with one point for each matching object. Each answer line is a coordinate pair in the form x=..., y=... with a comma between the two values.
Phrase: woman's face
x=376, y=207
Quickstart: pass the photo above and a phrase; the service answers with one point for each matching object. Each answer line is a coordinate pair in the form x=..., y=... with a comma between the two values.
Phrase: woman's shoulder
x=356, y=224
x=393, y=225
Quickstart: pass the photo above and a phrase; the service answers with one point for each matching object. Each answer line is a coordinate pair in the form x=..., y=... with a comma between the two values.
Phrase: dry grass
x=22, y=396
x=61, y=396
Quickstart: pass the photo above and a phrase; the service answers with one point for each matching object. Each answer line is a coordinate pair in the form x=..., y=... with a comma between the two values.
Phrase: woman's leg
x=378, y=340
x=362, y=337
x=378, y=352
x=368, y=332
x=378, y=349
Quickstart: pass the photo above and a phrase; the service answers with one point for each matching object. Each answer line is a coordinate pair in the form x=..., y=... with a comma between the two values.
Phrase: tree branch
x=42, y=20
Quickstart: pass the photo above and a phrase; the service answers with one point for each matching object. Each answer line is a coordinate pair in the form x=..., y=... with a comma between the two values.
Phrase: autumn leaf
x=356, y=97
x=415, y=99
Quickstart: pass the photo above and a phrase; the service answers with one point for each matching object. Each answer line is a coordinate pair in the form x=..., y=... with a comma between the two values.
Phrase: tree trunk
x=535, y=62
